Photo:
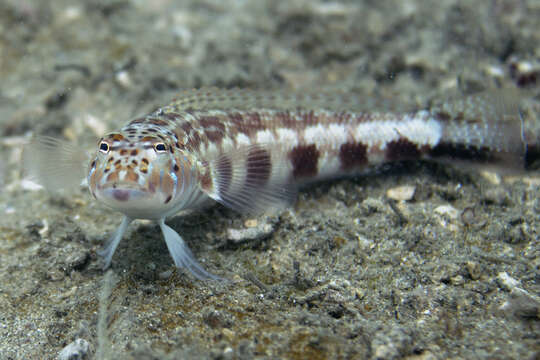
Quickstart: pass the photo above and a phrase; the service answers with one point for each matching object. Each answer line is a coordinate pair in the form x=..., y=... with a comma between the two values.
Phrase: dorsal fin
x=245, y=99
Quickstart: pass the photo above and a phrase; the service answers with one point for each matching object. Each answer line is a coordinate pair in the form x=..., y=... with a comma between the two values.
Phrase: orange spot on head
x=112, y=176
x=132, y=176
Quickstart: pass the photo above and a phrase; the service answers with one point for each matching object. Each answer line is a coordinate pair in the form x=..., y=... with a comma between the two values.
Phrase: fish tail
x=486, y=128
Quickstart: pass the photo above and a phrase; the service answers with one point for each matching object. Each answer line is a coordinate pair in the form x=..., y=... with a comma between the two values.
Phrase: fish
x=252, y=150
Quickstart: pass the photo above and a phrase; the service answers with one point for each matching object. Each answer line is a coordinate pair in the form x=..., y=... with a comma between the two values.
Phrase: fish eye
x=160, y=147
x=104, y=147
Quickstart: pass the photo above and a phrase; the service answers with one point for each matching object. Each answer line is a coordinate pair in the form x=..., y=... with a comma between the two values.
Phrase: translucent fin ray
x=182, y=255
x=108, y=251
x=54, y=163
x=245, y=99
x=485, y=128
x=249, y=180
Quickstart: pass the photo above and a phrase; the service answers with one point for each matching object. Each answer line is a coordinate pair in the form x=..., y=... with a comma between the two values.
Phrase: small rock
x=401, y=193
x=371, y=205
x=468, y=216
x=425, y=355
x=77, y=350
x=228, y=334
x=331, y=9
x=494, y=71
x=391, y=344
x=448, y=211
x=521, y=302
x=215, y=319
x=530, y=180
x=77, y=259
x=457, y=280
x=260, y=231
x=360, y=293
x=339, y=241
x=474, y=270
x=165, y=274
x=507, y=282
x=54, y=274
x=522, y=305
x=251, y=223
x=495, y=195
x=29, y=185
x=124, y=79
x=525, y=73
x=492, y=177
x=446, y=216
x=365, y=243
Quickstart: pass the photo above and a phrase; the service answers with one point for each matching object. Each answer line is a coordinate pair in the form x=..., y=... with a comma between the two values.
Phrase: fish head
x=139, y=176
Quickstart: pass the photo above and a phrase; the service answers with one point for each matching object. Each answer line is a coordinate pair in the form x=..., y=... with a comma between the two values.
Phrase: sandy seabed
x=450, y=273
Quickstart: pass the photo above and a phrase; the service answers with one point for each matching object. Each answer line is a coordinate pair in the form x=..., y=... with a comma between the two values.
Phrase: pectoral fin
x=249, y=180
x=55, y=164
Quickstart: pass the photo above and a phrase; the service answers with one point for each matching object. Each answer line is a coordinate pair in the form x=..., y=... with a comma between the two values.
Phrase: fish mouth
x=133, y=200
x=123, y=192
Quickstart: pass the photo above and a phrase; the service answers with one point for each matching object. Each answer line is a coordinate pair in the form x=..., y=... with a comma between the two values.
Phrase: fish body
x=251, y=150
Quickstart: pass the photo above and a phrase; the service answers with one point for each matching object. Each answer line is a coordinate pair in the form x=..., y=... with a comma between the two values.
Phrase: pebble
x=27, y=184
x=496, y=195
x=447, y=210
x=228, y=334
x=77, y=350
x=251, y=223
x=124, y=79
x=468, y=217
x=446, y=215
x=253, y=231
x=401, y=193
x=507, y=282
x=492, y=177
x=474, y=269
x=520, y=303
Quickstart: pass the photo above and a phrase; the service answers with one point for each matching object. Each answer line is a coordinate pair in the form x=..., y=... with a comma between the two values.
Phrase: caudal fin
x=485, y=128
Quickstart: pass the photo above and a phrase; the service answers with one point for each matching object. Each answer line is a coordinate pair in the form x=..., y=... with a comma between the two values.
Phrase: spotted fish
x=251, y=150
